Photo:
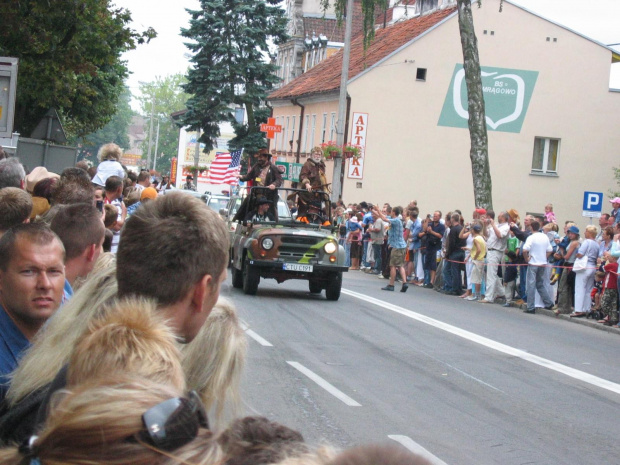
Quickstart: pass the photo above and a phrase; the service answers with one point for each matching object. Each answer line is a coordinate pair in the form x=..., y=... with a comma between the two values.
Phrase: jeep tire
x=237, y=277
x=315, y=286
x=334, y=285
x=251, y=278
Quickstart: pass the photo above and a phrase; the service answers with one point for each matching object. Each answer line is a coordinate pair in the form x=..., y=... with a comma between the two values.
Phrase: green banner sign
x=291, y=170
x=507, y=95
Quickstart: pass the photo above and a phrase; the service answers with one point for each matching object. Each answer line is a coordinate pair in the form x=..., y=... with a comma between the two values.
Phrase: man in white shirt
x=536, y=251
x=496, y=245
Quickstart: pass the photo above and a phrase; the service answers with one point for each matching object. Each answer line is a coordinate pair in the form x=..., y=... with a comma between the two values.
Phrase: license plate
x=297, y=267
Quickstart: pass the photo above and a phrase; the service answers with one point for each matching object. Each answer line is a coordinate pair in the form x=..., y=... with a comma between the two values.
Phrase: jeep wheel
x=334, y=284
x=251, y=278
x=315, y=287
x=237, y=278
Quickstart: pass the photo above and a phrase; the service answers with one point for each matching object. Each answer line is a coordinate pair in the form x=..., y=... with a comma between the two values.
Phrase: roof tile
x=325, y=77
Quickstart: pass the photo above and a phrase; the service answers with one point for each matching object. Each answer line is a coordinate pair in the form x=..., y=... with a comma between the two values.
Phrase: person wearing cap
x=615, y=203
x=261, y=213
x=189, y=183
x=312, y=178
x=566, y=287
x=262, y=174
x=147, y=194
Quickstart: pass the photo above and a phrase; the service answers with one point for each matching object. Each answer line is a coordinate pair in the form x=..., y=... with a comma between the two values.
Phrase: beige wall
x=317, y=109
x=409, y=156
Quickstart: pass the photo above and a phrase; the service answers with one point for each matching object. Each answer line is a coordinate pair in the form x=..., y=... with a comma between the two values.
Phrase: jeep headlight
x=330, y=247
x=267, y=243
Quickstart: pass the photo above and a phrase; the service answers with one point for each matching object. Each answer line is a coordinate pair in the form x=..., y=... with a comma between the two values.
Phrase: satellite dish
x=50, y=129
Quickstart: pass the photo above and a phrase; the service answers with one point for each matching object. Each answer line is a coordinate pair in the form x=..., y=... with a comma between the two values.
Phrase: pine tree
x=231, y=67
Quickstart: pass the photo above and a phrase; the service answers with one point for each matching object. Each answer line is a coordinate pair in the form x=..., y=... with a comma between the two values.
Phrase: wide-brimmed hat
x=573, y=229
x=38, y=174
x=514, y=214
x=263, y=201
x=615, y=200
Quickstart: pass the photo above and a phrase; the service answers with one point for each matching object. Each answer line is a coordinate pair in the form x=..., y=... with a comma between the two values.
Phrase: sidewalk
x=539, y=311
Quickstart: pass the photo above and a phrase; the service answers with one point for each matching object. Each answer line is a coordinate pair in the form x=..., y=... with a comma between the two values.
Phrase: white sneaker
x=471, y=297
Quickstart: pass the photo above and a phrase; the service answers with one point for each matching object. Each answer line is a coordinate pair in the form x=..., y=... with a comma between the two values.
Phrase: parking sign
x=592, y=204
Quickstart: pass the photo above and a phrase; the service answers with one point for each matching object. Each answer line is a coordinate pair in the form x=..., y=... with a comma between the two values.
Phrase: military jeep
x=287, y=248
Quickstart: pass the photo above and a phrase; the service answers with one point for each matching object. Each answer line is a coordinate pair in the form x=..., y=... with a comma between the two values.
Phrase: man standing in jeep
x=262, y=174
x=312, y=177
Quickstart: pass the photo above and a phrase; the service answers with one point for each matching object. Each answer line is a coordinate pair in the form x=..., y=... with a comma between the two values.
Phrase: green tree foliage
x=230, y=43
x=116, y=131
x=69, y=58
x=167, y=96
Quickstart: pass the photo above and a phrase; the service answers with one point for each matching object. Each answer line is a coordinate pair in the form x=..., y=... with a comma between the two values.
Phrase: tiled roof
x=325, y=77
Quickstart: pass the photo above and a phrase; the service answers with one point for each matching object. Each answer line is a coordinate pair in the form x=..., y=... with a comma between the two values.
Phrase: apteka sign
x=358, y=137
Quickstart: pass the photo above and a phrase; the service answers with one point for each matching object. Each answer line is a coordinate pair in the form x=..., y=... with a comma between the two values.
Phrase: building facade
x=552, y=119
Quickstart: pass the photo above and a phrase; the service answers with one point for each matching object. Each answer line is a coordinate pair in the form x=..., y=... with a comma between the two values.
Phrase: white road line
x=491, y=344
x=258, y=338
x=416, y=448
x=325, y=385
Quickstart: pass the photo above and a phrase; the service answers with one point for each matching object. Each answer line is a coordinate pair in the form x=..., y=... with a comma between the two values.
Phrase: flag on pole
x=225, y=168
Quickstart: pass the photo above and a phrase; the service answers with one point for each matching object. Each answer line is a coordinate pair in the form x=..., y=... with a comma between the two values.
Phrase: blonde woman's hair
x=129, y=338
x=109, y=152
x=92, y=424
x=54, y=343
x=593, y=230
x=213, y=362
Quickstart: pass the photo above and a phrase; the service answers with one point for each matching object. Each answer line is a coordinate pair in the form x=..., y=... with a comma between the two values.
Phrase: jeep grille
x=298, y=246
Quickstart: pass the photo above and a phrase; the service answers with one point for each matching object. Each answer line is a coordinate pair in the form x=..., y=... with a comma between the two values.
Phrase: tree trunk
x=479, y=153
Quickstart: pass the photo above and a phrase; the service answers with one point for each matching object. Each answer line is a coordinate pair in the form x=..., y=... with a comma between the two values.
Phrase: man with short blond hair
x=15, y=208
x=81, y=231
x=32, y=277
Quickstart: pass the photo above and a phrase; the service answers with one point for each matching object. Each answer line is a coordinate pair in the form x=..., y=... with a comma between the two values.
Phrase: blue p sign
x=592, y=202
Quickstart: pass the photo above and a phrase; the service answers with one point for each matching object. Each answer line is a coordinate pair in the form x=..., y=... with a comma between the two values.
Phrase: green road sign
x=507, y=95
x=291, y=170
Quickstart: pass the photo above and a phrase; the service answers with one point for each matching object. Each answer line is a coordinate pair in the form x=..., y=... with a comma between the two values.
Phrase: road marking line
x=258, y=338
x=325, y=385
x=416, y=448
x=491, y=344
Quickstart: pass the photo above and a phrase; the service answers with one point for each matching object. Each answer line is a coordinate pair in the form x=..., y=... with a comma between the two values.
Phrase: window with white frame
x=291, y=146
x=324, y=128
x=307, y=123
x=332, y=128
x=284, y=141
x=312, y=135
x=546, y=153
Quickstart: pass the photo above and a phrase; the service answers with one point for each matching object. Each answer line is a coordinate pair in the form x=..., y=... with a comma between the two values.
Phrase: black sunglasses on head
x=174, y=422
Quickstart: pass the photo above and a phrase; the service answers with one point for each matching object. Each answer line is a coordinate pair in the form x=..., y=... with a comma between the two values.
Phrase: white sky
x=597, y=19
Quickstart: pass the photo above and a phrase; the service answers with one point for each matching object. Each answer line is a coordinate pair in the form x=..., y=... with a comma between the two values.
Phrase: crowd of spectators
x=489, y=258
x=128, y=357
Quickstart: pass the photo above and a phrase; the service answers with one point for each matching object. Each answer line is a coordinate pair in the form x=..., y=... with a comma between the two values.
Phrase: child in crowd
x=609, y=301
x=109, y=155
x=549, y=215
x=597, y=290
x=111, y=217
x=510, y=277
x=478, y=252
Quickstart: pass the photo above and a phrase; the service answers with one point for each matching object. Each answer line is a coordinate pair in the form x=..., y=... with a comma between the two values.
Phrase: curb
x=564, y=316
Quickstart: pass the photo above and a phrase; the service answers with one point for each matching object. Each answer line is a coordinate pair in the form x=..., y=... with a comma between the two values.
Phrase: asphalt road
x=461, y=382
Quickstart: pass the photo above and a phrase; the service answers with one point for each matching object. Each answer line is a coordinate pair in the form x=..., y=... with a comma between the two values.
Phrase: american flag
x=225, y=168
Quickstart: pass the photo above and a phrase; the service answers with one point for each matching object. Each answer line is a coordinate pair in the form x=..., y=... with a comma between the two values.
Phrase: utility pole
x=156, y=146
x=342, y=103
x=148, y=159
